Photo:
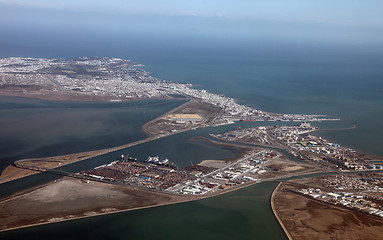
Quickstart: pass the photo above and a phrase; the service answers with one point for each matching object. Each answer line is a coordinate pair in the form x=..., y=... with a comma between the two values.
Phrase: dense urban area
x=117, y=78
x=297, y=141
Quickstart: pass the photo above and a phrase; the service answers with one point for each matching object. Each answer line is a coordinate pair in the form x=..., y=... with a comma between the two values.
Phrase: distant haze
x=195, y=24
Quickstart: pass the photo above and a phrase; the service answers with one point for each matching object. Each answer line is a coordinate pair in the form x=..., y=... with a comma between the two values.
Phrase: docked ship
x=157, y=160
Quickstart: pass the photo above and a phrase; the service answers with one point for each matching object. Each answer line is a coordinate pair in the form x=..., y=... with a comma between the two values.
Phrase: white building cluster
x=239, y=172
x=120, y=78
x=346, y=199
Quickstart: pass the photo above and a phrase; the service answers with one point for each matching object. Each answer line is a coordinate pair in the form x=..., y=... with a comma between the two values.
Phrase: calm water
x=244, y=214
x=347, y=83
x=34, y=128
x=180, y=149
x=341, y=85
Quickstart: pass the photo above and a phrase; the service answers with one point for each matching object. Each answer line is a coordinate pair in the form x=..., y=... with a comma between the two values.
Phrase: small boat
x=132, y=159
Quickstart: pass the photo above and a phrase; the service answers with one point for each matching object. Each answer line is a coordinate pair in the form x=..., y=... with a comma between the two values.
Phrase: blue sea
x=342, y=85
x=336, y=80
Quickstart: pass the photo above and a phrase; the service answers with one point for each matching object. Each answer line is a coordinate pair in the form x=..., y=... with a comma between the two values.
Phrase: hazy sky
x=348, y=21
x=338, y=12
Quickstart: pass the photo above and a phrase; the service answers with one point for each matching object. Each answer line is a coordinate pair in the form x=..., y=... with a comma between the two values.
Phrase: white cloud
x=218, y=14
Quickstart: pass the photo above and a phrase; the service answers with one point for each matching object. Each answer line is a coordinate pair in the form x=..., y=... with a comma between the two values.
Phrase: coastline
x=189, y=199
x=16, y=172
x=96, y=215
x=275, y=211
x=150, y=137
x=80, y=97
x=57, y=220
x=145, y=126
x=90, y=153
x=119, y=211
x=304, y=217
x=104, y=151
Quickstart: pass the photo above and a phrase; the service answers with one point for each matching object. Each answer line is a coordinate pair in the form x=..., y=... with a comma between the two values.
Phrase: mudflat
x=306, y=218
x=73, y=198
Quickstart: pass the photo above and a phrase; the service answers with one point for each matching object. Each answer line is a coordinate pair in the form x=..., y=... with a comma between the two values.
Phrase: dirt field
x=160, y=126
x=213, y=163
x=305, y=218
x=72, y=198
x=280, y=165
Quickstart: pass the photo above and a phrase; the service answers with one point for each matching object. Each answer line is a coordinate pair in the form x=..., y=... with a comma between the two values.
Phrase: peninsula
x=114, y=79
x=266, y=153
